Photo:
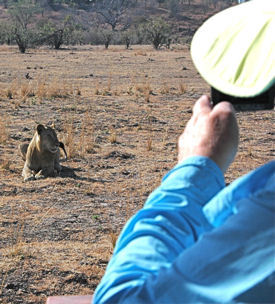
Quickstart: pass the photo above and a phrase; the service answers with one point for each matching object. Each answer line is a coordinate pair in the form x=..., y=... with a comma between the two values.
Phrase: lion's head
x=46, y=140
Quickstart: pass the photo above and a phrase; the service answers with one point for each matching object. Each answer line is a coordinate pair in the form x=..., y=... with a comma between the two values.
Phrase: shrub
x=5, y=33
x=158, y=32
x=106, y=36
x=22, y=14
x=56, y=34
x=127, y=38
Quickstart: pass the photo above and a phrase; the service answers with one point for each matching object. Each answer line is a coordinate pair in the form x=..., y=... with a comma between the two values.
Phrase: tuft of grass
x=130, y=90
x=41, y=91
x=106, y=91
x=57, y=89
x=3, y=132
x=78, y=92
x=250, y=152
x=182, y=88
x=147, y=96
x=165, y=137
x=113, y=136
x=26, y=91
x=165, y=89
x=9, y=94
x=117, y=92
x=143, y=90
x=3, y=283
x=82, y=142
x=96, y=90
x=149, y=144
x=140, y=53
x=113, y=237
x=5, y=164
x=86, y=141
x=109, y=85
x=22, y=91
x=17, y=246
x=95, y=217
x=70, y=140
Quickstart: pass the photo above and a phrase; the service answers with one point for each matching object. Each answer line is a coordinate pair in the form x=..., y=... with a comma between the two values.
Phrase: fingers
x=211, y=132
x=227, y=134
x=224, y=107
x=203, y=104
x=226, y=114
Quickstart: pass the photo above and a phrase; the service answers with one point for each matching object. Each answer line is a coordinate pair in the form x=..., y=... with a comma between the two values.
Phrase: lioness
x=42, y=154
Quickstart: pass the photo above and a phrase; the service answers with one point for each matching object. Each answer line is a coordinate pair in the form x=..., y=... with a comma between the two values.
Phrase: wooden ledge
x=70, y=300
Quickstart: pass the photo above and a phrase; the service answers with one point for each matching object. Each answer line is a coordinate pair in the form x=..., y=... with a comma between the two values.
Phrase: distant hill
x=184, y=16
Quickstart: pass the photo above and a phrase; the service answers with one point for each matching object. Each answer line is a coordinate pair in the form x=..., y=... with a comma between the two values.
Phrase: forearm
x=220, y=266
x=230, y=259
x=174, y=209
x=171, y=221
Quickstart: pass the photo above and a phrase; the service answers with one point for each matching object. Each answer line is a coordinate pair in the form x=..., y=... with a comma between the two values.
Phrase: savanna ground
x=119, y=113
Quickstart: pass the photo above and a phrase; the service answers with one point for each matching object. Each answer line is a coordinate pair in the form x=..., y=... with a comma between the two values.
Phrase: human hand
x=211, y=132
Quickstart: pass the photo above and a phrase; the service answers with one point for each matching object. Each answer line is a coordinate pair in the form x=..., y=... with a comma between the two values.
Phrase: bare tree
x=113, y=11
x=22, y=13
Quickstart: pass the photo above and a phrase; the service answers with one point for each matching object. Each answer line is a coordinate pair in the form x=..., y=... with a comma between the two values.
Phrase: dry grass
x=113, y=136
x=149, y=144
x=58, y=89
x=5, y=164
x=140, y=53
x=165, y=89
x=113, y=238
x=22, y=91
x=70, y=140
x=182, y=88
x=3, y=130
x=86, y=142
x=119, y=115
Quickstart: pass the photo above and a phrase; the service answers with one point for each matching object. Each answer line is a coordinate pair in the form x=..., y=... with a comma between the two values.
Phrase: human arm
x=170, y=251
x=221, y=265
x=171, y=221
x=172, y=218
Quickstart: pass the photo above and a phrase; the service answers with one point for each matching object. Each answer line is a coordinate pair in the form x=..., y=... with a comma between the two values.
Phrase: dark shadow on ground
x=70, y=172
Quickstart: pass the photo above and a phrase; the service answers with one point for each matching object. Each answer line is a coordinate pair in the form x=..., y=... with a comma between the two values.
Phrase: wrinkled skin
x=211, y=132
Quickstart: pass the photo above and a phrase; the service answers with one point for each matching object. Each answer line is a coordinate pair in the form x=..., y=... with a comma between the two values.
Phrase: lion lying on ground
x=41, y=156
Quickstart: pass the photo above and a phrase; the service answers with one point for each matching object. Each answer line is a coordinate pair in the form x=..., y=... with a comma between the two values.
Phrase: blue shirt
x=197, y=241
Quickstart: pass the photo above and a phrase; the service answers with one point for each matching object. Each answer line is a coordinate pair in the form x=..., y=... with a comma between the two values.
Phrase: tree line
x=28, y=27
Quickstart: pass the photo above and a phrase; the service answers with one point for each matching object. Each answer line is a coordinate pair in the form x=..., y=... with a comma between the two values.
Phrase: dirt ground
x=119, y=113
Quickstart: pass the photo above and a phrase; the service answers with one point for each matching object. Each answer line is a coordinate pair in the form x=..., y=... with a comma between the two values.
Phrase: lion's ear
x=40, y=129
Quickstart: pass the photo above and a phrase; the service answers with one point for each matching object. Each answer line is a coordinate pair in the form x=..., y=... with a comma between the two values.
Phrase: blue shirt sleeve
x=167, y=252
